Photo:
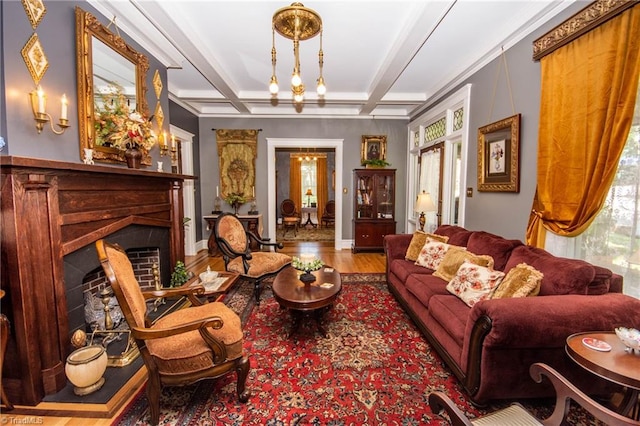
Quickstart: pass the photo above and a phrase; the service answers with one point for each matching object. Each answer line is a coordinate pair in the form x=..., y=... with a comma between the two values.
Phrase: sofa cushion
x=453, y=259
x=417, y=242
x=403, y=268
x=432, y=254
x=561, y=275
x=522, y=281
x=499, y=248
x=458, y=236
x=451, y=313
x=474, y=283
x=423, y=287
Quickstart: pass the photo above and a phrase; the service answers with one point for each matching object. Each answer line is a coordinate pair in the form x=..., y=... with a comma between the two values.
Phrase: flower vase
x=133, y=157
x=236, y=205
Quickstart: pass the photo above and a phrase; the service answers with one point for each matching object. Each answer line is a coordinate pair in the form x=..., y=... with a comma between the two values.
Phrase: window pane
x=309, y=187
x=613, y=239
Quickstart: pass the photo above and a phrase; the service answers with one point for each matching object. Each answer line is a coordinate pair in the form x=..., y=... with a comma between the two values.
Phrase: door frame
x=272, y=144
x=188, y=188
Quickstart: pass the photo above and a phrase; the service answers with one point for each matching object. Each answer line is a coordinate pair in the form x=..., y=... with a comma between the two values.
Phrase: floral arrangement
x=118, y=127
x=306, y=266
x=235, y=198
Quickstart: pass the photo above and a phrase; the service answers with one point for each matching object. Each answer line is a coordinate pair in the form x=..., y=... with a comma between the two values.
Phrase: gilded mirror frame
x=88, y=26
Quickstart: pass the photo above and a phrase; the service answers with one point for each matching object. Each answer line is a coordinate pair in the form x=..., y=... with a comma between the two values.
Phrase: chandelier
x=296, y=23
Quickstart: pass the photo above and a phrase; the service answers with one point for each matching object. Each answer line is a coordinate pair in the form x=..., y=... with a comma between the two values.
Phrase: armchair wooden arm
x=565, y=392
x=184, y=290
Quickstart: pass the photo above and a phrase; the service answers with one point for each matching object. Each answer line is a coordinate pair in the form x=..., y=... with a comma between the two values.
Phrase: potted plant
x=376, y=163
x=180, y=275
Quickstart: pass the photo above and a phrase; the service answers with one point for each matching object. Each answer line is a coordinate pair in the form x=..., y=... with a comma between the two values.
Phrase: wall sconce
x=38, y=105
x=174, y=149
x=164, y=147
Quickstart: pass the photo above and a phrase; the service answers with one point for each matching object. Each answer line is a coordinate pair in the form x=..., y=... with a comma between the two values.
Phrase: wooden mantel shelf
x=48, y=210
x=26, y=162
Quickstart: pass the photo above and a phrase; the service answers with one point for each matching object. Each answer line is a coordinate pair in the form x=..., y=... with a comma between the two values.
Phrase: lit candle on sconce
x=173, y=142
x=41, y=100
x=164, y=139
x=63, y=109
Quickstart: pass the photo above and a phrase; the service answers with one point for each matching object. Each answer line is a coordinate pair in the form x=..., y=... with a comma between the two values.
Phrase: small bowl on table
x=630, y=337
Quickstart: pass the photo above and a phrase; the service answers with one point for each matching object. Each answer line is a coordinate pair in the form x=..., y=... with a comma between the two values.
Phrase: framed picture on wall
x=373, y=148
x=498, y=156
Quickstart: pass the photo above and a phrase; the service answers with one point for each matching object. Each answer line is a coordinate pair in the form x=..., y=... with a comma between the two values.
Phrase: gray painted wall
x=56, y=32
x=506, y=213
x=351, y=130
x=502, y=213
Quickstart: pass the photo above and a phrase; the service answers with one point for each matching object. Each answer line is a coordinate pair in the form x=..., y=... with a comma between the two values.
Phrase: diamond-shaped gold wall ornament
x=159, y=114
x=157, y=84
x=34, y=58
x=35, y=10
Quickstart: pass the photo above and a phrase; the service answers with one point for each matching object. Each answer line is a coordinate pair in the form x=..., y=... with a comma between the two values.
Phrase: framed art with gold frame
x=498, y=156
x=373, y=148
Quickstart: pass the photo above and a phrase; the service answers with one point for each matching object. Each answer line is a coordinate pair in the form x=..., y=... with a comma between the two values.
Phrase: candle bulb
x=173, y=142
x=63, y=112
x=164, y=139
x=217, y=192
x=40, y=93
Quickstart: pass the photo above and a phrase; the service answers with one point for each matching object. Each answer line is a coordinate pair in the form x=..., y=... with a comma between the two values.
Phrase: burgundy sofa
x=491, y=346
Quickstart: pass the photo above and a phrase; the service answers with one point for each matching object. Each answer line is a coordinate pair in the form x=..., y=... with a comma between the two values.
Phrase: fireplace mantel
x=51, y=209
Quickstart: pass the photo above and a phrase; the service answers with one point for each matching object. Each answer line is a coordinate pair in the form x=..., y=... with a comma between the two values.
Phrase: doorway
x=291, y=143
x=188, y=188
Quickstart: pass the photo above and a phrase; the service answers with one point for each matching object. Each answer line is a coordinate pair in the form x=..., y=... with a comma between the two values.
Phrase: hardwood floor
x=343, y=260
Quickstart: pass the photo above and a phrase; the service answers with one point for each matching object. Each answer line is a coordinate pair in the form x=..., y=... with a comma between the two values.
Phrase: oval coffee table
x=307, y=301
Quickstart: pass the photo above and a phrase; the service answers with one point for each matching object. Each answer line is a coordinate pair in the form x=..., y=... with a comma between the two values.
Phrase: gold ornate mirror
x=104, y=62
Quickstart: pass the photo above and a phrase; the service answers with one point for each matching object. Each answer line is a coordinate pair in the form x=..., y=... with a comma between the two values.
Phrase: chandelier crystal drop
x=297, y=23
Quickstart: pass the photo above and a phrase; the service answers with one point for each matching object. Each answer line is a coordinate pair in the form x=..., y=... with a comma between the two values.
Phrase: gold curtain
x=295, y=182
x=587, y=103
x=322, y=186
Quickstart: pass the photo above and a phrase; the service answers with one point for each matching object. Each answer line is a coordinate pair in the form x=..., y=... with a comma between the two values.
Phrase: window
x=308, y=171
x=613, y=239
x=438, y=144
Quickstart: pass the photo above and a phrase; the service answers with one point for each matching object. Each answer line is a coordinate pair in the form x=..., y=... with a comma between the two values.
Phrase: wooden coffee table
x=307, y=301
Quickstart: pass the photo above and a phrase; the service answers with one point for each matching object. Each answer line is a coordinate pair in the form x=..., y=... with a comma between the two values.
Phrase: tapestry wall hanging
x=237, y=151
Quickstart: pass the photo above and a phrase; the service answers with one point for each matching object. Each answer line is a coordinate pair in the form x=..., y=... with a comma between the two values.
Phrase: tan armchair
x=234, y=242
x=515, y=414
x=204, y=341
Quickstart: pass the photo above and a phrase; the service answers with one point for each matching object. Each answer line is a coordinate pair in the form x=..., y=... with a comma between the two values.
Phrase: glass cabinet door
x=364, y=208
x=384, y=196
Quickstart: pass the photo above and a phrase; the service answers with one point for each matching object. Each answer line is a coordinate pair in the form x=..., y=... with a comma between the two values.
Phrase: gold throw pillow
x=522, y=281
x=417, y=242
x=454, y=258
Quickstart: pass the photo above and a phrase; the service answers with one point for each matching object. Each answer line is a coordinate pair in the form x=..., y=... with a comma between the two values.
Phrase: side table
x=616, y=365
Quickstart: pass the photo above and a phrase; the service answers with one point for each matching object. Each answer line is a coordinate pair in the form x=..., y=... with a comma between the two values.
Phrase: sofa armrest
x=396, y=245
x=546, y=321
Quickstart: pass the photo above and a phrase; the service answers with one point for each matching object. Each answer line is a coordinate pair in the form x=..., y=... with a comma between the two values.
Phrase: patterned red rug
x=373, y=368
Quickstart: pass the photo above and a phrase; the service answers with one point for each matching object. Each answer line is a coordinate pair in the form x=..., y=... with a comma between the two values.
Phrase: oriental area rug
x=373, y=368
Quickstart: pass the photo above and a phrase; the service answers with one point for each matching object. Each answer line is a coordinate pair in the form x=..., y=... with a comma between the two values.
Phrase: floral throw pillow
x=432, y=253
x=417, y=242
x=474, y=283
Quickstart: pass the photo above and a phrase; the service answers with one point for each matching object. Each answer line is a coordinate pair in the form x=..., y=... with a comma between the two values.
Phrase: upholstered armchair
x=203, y=341
x=290, y=216
x=234, y=242
x=329, y=213
x=516, y=414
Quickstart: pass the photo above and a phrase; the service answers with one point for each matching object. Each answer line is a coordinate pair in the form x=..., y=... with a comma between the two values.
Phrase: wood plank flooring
x=343, y=260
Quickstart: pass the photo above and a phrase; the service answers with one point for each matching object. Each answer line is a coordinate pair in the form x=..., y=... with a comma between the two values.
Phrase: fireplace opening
x=145, y=246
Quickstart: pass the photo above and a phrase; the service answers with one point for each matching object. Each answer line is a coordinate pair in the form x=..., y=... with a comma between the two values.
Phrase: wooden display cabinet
x=374, y=208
